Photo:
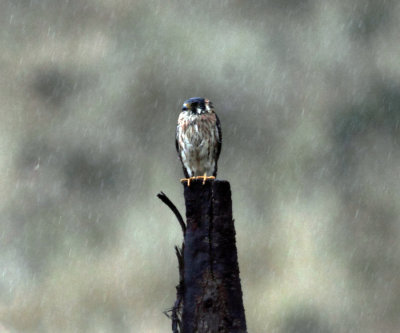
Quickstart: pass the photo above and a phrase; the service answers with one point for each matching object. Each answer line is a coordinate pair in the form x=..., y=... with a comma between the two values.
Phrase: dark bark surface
x=212, y=295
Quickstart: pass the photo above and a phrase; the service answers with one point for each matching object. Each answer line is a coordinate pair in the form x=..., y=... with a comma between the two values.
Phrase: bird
x=198, y=139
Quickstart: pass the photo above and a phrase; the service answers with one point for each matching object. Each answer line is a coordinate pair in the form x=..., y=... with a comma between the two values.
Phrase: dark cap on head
x=194, y=102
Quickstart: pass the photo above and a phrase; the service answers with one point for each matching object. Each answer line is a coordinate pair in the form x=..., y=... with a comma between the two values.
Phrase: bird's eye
x=185, y=107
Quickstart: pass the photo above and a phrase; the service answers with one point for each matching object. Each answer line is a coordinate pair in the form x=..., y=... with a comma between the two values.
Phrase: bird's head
x=198, y=106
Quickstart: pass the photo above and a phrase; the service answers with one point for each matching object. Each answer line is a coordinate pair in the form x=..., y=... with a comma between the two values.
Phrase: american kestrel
x=198, y=139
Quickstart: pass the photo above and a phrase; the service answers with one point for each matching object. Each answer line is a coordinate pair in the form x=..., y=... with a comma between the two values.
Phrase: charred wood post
x=212, y=300
x=209, y=296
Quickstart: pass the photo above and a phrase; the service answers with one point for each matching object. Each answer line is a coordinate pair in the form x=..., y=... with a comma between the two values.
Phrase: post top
x=199, y=183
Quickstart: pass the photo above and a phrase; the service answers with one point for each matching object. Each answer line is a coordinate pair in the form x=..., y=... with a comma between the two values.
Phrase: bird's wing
x=176, y=142
x=218, y=145
x=219, y=141
x=178, y=150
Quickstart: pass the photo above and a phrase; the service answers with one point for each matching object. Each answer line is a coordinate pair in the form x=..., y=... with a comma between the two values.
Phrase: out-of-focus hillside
x=308, y=93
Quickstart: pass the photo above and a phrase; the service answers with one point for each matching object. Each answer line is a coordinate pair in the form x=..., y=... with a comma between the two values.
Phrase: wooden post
x=212, y=294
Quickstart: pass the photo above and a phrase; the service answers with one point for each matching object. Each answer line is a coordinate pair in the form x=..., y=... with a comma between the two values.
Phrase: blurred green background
x=308, y=93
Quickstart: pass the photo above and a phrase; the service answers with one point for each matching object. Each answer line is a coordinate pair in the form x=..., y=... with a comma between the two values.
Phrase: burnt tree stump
x=212, y=294
x=209, y=294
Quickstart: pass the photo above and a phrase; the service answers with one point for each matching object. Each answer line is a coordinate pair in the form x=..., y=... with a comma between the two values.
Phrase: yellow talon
x=187, y=180
x=205, y=177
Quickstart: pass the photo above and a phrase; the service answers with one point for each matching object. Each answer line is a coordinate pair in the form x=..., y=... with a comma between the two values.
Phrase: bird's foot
x=205, y=177
x=188, y=180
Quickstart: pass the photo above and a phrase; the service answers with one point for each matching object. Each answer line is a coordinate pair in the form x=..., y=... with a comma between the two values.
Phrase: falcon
x=198, y=139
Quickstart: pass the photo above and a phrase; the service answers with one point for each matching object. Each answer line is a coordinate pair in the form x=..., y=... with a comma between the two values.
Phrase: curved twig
x=163, y=197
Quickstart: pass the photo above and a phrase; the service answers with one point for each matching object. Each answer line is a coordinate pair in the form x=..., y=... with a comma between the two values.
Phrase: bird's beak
x=185, y=107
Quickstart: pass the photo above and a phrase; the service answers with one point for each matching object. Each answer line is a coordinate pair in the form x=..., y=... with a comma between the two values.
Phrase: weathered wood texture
x=212, y=294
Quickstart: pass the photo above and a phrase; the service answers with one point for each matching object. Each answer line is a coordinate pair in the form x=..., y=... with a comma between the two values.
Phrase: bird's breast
x=194, y=130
